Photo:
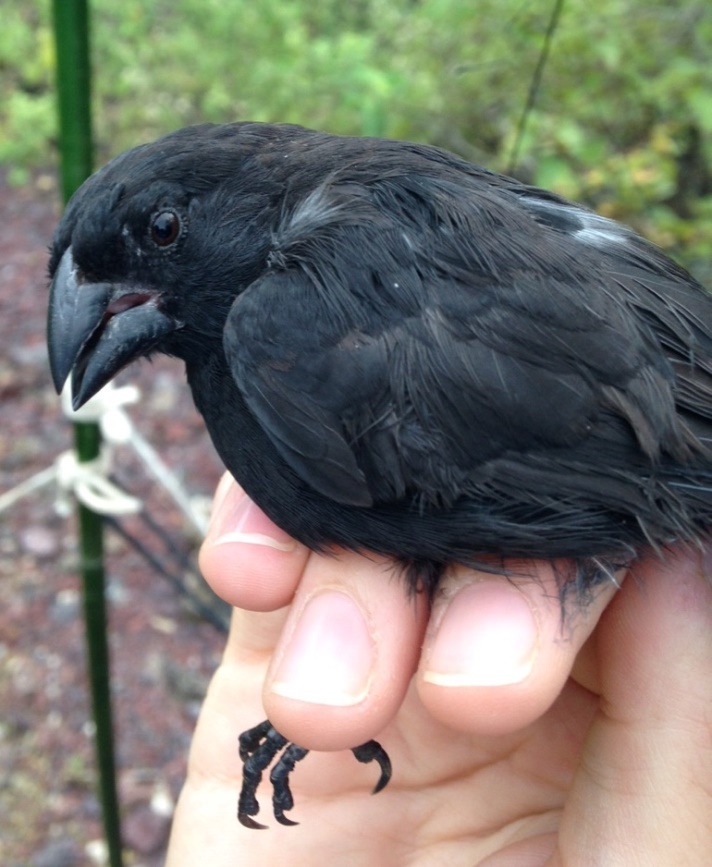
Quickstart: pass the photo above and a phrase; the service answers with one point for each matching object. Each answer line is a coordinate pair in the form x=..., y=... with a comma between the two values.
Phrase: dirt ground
x=162, y=654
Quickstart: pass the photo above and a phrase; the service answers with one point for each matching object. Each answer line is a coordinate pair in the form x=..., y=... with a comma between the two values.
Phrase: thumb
x=642, y=794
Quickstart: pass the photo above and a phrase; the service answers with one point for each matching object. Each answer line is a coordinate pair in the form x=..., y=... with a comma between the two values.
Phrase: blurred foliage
x=623, y=119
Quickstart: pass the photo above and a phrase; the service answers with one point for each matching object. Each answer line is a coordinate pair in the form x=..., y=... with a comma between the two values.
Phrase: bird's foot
x=258, y=748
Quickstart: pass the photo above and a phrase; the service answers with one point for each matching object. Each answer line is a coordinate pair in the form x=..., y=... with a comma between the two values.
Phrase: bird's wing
x=405, y=336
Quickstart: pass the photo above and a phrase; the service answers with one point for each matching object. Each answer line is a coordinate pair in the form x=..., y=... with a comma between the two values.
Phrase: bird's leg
x=258, y=746
x=252, y=738
x=373, y=751
x=282, y=795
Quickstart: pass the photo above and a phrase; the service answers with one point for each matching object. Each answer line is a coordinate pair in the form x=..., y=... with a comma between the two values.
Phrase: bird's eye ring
x=164, y=228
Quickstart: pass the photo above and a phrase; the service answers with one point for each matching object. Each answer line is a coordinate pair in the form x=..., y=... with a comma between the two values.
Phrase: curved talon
x=249, y=822
x=282, y=795
x=258, y=747
x=373, y=751
x=383, y=780
x=247, y=805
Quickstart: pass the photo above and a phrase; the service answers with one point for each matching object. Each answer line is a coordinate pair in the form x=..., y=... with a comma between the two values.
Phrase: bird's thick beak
x=95, y=329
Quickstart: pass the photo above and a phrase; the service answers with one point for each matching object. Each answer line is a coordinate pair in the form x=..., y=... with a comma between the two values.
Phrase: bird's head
x=152, y=251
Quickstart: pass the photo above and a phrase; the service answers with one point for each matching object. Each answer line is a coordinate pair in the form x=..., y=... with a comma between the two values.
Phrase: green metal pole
x=71, y=28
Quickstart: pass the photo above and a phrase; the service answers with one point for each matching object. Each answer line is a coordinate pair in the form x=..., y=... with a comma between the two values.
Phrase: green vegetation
x=623, y=119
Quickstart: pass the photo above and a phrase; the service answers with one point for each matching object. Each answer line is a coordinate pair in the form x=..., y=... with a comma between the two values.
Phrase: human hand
x=516, y=736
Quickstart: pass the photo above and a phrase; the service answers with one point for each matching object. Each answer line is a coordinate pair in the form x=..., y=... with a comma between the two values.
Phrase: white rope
x=106, y=408
x=39, y=480
x=196, y=509
x=100, y=407
x=89, y=481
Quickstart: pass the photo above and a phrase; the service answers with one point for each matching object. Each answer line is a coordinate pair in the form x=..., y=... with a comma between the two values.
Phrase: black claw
x=373, y=751
x=247, y=804
x=282, y=798
x=249, y=822
x=258, y=748
x=284, y=820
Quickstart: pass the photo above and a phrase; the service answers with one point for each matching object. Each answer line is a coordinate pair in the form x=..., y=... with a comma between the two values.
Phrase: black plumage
x=397, y=351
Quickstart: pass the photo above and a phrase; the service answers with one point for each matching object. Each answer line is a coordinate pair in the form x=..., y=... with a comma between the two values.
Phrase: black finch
x=397, y=351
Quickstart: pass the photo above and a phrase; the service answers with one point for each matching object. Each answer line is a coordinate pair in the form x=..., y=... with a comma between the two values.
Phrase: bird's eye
x=164, y=228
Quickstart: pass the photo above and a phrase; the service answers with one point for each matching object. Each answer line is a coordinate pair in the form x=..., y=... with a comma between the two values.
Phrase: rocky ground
x=162, y=653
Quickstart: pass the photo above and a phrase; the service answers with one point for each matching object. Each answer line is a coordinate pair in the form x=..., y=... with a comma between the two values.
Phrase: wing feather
x=409, y=335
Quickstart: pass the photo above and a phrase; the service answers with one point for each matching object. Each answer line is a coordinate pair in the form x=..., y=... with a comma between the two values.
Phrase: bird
x=397, y=351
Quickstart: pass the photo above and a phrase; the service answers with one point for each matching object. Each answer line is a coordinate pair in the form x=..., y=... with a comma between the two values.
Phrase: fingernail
x=487, y=637
x=330, y=654
x=247, y=523
x=225, y=484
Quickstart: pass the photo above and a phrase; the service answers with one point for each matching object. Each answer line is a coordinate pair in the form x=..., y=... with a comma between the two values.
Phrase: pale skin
x=516, y=740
